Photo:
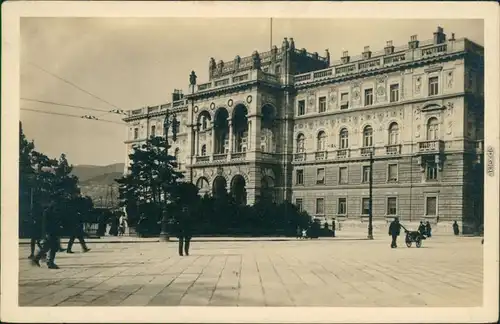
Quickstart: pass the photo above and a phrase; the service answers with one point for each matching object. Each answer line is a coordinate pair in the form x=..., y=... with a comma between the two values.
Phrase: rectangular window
x=343, y=175
x=392, y=173
x=431, y=171
x=153, y=131
x=302, y=108
x=320, y=206
x=136, y=133
x=342, y=206
x=368, y=97
x=431, y=206
x=278, y=69
x=365, y=206
x=299, y=177
x=299, y=204
x=366, y=174
x=392, y=206
x=344, y=100
x=433, y=86
x=394, y=92
x=320, y=176
x=322, y=104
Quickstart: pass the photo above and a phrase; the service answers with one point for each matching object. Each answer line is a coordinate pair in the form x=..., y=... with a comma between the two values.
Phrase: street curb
x=225, y=240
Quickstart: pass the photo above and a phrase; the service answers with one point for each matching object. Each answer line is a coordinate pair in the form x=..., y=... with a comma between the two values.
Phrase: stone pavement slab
x=446, y=271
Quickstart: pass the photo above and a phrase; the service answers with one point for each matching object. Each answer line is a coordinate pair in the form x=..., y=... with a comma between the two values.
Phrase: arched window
x=300, y=143
x=393, y=134
x=203, y=150
x=368, y=136
x=432, y=129
x=344, y=138
x=321, y=141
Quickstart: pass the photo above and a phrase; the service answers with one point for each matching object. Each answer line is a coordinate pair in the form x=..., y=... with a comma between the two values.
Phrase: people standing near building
x=428, y=229
x=394, y=231
x=51, y=227
x=184, y=230
x=77, y=232
x=333, y=228
x=298, y=232
x=456, y=231
x=122, y=225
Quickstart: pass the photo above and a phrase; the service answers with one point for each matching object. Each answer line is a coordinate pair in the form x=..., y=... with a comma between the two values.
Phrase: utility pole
x=170, y=120
x=370, y=203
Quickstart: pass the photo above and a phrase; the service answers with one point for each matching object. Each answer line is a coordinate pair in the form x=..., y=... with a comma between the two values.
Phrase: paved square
x=446, y=271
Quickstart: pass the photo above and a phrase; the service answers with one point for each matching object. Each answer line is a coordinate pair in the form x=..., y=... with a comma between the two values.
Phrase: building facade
x=292, y=125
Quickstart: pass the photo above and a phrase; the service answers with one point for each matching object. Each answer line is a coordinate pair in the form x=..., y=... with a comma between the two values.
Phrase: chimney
x=367, y=53
x=389, y=48
x=345, y=57
x=439, y=36
x=413, y=43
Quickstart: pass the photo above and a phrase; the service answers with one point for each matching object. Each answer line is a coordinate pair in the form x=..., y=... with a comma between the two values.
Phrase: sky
x=130, y=63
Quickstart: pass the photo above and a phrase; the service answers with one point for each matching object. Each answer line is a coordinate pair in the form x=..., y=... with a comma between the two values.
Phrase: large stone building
x=289, y=124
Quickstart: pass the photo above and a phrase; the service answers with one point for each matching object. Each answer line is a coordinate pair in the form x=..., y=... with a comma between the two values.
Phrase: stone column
x=230, y=137
x=213, y=141
x=197, y=140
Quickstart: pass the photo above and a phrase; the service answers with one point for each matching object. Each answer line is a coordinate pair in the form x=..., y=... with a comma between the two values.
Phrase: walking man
x=184, y=231
x=52, y=228
x=35, y=234
x=394, y=230
x=77, y=232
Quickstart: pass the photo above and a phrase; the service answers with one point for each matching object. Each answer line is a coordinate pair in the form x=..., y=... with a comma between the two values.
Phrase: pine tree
x=151, y=180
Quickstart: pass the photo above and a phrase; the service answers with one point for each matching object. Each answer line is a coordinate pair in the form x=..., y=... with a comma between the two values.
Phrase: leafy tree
x=43, y=180
x=151, y=180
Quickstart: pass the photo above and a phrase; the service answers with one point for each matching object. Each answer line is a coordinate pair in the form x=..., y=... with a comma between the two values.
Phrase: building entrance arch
x=238, y=189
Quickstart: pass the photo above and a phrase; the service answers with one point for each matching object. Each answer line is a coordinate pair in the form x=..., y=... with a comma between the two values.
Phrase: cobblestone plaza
x=337, y=272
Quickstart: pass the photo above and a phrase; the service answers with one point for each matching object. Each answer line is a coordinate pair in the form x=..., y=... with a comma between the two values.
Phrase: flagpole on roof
x=271, y=35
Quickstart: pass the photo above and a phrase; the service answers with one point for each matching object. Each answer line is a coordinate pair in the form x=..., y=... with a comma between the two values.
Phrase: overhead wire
x=73, y=85
x=73, y=116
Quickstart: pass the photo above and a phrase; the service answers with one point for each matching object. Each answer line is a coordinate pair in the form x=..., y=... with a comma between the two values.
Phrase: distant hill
x=87, y=172
x=98, y=182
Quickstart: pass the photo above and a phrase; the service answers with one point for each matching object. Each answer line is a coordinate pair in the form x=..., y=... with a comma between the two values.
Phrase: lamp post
x=169, y=121
x=370, y=202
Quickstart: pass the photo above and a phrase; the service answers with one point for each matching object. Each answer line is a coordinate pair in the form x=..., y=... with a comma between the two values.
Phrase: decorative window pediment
x=432, y=107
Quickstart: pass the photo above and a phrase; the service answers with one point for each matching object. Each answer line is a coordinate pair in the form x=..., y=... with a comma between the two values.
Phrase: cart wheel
x=408, y=243
x=418, y=242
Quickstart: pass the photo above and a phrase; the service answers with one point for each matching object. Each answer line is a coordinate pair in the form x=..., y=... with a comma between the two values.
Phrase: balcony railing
x=383, y=59
x=238, y=156
x=343, y=153
x=323, y=155
x=220, y=157
x=201, y=159
x=299, y=157
x=430, y=146
x=393, y=149
x=366, y=151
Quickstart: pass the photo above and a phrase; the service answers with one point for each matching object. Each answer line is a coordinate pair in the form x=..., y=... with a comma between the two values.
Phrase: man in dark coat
x=184, y=230
x=52, y=229
x=394, y=230
x=77, y=232
x=456, y=230
x=35, y=234
x=428, y=229
x=421, y=228
x=333, y=228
